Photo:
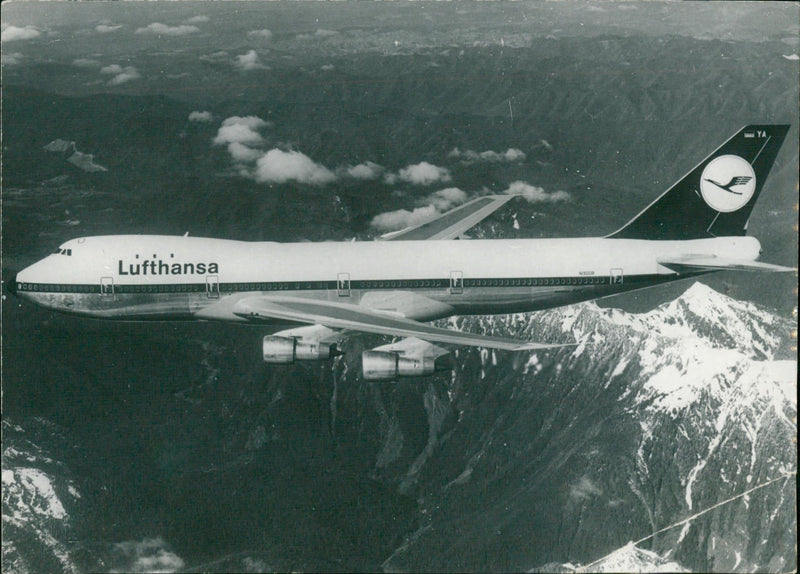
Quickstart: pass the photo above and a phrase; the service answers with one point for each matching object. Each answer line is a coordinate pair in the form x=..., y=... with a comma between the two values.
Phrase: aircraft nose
x=11, y=284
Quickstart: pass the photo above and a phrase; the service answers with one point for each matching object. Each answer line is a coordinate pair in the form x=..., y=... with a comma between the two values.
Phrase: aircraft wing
x=356, y=318
x=453, y=223
x=689, y=263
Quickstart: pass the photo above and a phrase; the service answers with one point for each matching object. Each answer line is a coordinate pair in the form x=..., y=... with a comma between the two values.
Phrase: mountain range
x=527, y=461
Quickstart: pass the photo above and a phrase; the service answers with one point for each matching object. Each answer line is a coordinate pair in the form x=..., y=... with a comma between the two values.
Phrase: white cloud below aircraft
x=394, y=286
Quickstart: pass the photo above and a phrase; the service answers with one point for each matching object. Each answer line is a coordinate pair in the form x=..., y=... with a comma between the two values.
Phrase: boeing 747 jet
x=395, y=285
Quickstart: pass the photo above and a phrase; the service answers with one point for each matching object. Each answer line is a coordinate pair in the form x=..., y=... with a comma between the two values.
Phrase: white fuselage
x=166, y=277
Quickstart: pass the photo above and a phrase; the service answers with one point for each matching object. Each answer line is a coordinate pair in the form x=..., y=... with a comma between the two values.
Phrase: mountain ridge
x=746, y=387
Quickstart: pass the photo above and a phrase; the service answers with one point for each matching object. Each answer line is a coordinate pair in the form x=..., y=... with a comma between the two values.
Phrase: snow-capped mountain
x=39, y=498
x=629, y=558
x=567, y=456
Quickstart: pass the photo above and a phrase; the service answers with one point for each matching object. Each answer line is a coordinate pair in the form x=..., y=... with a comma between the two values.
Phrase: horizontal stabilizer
x=353, y=317
x=453, y=223
x=712, y=263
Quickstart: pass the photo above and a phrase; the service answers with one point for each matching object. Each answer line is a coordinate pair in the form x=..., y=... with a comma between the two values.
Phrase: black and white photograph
x=399, y=286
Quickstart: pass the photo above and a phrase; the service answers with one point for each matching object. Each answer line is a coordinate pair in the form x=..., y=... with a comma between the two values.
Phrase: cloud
x=535, y=194
x=215, y=57
x=112, y=69
x=198, y=116
x=263, y=34
x=197, y=19
x=14, y=33
x=129, y=74
x=240, y=130
x=85, y=161
x=249, y=61
x=240, y=153
x=106, y=28
x=444, y=199
x=241, y=136
x=437, y=203
x=511, y=154
x=422, y=173
x=403, y=218
x=277, y=166
x=157, y=28
x=320, y=33
x=121, y=75
x=12, y=59
x=584, y=489
x=85, y=63
x=149, y=555
x=246, y=62
x=366, y=170
x=253, y=122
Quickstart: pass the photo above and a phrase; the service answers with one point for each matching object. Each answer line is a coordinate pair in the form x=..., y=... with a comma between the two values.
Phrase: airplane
x=395, y=285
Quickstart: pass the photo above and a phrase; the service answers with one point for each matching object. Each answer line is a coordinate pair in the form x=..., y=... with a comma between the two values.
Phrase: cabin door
x=456, y=282
x=212, y=286
x=616, y=276
x=343, y=284
x=107, y=287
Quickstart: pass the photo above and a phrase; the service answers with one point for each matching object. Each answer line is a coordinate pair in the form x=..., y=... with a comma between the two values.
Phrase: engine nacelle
x=386, y=365
x=289, y=349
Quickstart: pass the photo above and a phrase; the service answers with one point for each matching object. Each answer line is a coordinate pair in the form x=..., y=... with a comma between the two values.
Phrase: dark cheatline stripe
x=355, y=285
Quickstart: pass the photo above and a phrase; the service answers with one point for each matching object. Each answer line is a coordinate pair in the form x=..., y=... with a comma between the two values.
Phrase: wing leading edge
x=352, y=317
x=453, y=223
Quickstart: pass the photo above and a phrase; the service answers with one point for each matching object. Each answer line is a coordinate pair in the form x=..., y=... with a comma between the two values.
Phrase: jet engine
x=387, y=365
x=285, y=350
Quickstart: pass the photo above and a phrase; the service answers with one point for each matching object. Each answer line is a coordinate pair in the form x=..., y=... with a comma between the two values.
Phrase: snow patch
x=29, y=490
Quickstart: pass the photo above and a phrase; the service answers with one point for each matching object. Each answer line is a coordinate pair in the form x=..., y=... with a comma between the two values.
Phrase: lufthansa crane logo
x=728, y=182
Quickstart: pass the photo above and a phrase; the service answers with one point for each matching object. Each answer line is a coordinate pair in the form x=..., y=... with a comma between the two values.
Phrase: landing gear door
x=212, y=286
x=343, y=284
x=107, y=288
x=456, y=282
x=616, y=276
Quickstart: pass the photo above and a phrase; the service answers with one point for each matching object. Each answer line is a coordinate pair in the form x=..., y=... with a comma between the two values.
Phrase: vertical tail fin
x=716, y=198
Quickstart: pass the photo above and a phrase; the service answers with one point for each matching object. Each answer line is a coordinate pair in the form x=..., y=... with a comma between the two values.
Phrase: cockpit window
x=60, y=251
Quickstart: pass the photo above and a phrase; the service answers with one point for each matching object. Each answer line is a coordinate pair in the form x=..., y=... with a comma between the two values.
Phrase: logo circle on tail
x=727, y=183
